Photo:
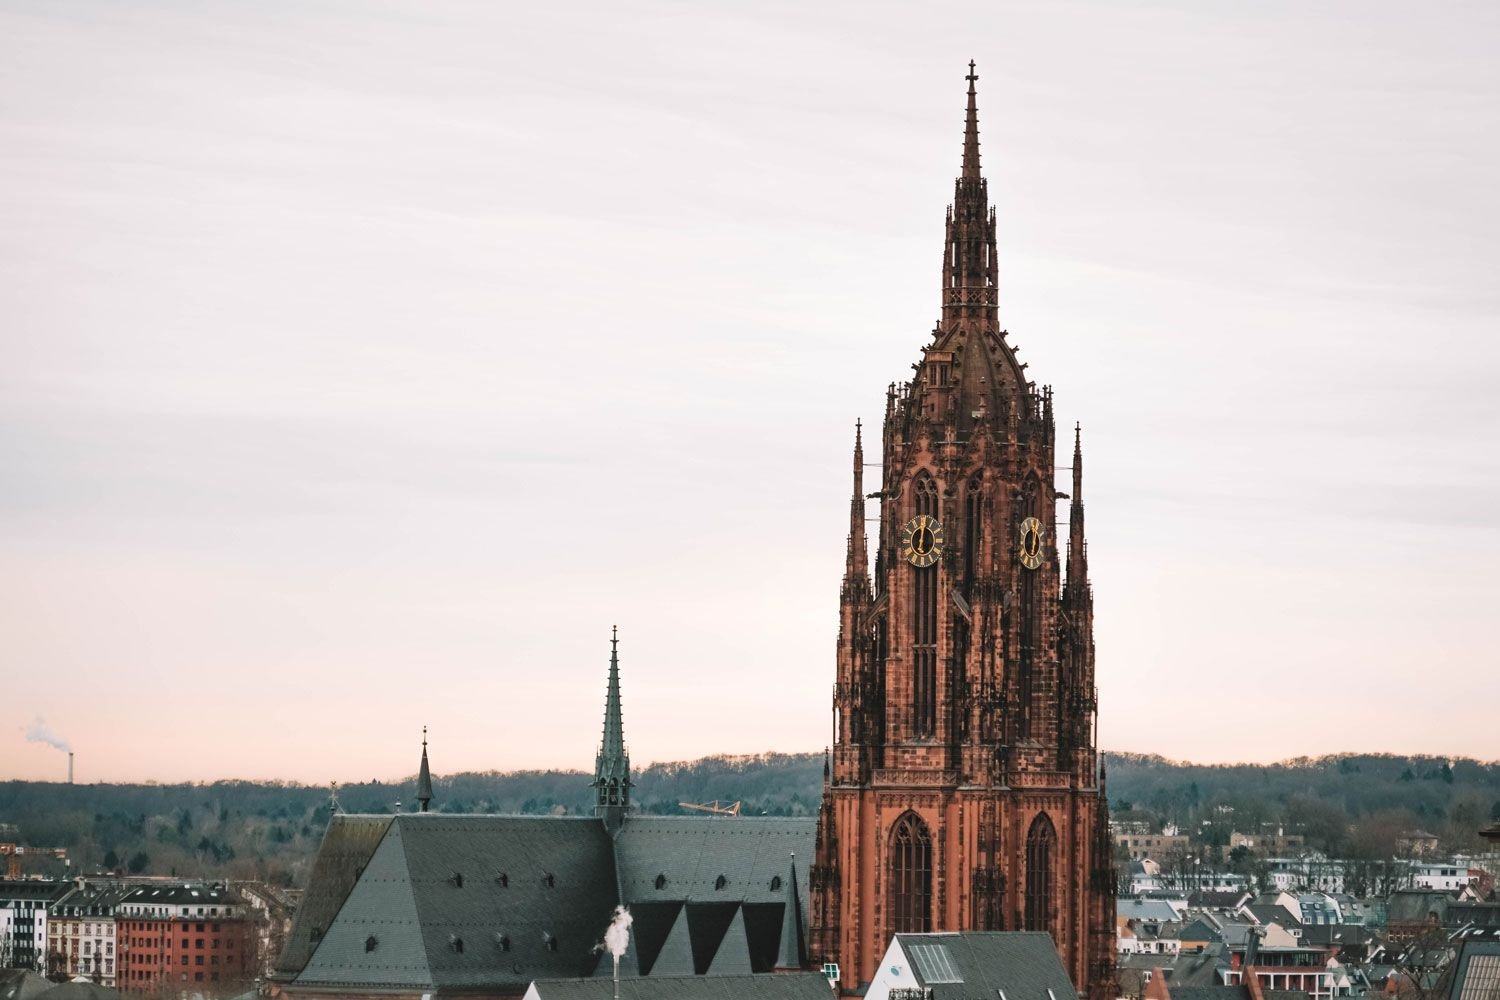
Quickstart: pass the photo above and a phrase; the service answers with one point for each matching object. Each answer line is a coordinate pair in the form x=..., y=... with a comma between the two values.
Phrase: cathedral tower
x=963, y=790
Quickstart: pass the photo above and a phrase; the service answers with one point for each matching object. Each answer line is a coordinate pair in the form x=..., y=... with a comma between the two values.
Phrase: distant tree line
x=1349, y=805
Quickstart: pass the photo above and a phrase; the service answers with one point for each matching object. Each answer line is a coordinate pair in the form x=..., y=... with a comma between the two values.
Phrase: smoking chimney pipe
x=70, y=767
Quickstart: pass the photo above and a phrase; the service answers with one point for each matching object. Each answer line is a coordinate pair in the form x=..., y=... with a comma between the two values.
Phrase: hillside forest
x=1350, y=806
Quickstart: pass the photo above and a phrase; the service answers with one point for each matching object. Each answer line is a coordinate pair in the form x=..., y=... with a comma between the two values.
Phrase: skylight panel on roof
x=1482, y=978
x=934, y=964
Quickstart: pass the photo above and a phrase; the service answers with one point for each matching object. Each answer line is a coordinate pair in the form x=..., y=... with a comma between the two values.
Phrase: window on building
x=1041, y=853
x=911, y=876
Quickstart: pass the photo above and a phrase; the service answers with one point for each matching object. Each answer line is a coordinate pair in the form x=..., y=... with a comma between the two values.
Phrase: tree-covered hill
x=1352, y=804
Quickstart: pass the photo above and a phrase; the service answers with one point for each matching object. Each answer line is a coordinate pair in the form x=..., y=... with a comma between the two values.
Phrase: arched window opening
x=1041, y=856
x=911, y=876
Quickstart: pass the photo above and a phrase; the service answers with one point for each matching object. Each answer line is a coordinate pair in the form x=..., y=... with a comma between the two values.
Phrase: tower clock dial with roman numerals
x=922, y=540
x=1031, y=543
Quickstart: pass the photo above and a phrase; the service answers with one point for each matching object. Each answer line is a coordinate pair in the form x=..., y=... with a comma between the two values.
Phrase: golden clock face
x=1031, y=543
x=922, y=540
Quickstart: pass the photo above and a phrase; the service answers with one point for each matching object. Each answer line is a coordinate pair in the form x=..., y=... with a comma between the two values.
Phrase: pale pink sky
x=364, y=363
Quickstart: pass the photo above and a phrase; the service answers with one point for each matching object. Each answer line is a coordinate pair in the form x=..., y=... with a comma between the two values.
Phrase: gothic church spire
x=424, y=777
x=612, y=765
x=969, y=266
x=1078, y=560
x=856, y=565
x=971, y=130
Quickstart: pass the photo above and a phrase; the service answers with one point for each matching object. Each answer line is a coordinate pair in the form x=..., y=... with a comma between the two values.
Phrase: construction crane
x=715, y=807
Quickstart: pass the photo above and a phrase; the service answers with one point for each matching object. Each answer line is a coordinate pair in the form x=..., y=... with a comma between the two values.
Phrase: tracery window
x=910, y=876
x=1041, y=882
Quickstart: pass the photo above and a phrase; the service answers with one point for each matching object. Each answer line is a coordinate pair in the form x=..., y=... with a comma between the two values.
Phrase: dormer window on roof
x=549, y=941
x=456, y=880
x=503, y=940
x=775, y=883
x=661, y=882
x=720, y=882
x=456, y=943
x=370, y=943
x=549, y=880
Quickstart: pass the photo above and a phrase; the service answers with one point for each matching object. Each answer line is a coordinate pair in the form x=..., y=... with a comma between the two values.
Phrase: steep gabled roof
x=690, y=854
x=1021, y=965
x=462, y=902
x=347, y=846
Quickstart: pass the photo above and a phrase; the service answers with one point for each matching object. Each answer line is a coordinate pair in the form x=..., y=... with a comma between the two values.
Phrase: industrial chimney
x=70, y=767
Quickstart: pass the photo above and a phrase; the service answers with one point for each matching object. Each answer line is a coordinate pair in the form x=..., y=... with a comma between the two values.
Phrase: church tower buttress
x=962, y=787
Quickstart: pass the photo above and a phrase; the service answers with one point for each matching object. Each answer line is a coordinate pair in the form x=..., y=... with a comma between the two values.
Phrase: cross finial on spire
x=612, y=765
x=971, y=129
x=424, y=777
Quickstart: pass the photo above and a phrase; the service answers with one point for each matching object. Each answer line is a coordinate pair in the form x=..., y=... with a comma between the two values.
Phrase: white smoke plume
x=617, y=934
x=40, y=732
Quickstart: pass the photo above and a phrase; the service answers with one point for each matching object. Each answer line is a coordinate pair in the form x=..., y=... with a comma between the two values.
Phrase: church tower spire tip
x=424, y=778
x=856, y=568
x=971, y=129
x=612, y=765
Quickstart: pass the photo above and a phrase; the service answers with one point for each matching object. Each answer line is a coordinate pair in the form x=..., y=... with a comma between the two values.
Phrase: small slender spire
x=1078, y=562
x=1078, y=463
x=612, y=765
x=424, y=777
x=856, y=566
x=971, y=129
x=792, y=953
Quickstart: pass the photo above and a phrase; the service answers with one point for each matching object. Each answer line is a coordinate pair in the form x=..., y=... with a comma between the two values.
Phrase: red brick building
x=964, y=791
x=184, y=939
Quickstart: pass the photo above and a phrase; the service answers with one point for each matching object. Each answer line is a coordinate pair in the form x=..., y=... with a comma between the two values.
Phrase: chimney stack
x=70, y=767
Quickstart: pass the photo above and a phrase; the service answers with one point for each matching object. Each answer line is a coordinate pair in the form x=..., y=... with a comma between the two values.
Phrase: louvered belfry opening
x=911, y=876
x=1041, y=851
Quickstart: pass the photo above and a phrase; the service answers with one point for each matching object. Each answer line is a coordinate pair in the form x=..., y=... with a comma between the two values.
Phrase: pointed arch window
x=1041, y=881
x=910, y=876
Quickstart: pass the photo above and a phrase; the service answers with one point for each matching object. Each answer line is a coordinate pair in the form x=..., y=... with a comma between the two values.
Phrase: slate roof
x=347, y=846
x=456, y=902
x=1475, y=914
x=1151, y=910
x=179, y=895
x=692, y=852
x=40, y=890
x=1022, y=964
x=22, y=984
x=1198, y=968
x=1239, y=992
x=1199, y=929
x=1276, y=914
x=81, y=991
x=439, y=902
x=786, y=986
x=1415, y=905
x=1343, y=935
